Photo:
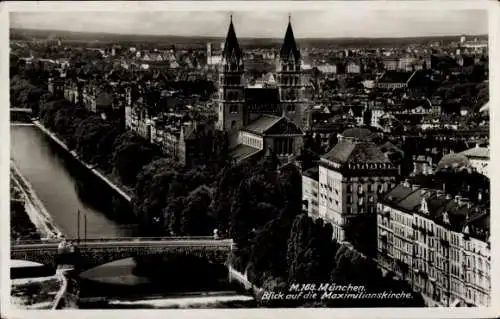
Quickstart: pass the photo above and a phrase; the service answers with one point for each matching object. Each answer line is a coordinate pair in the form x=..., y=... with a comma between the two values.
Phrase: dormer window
x=423, y=206
x=466, y=229
x=446, y=218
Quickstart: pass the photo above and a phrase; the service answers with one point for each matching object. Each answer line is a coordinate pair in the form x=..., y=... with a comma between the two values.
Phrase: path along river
x=54, y=174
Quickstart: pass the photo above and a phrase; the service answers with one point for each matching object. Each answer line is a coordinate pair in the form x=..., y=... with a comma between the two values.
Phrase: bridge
x=21, y=110
x=18, y=114
x=94, y=252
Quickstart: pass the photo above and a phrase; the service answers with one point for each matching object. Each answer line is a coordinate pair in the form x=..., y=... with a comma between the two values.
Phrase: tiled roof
x=262, y=124
x=409, y=200
x=269, y=124
x=356, y=152
x=242, y=152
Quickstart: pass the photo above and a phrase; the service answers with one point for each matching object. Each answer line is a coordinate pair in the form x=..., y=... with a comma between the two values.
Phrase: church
x=262, y=120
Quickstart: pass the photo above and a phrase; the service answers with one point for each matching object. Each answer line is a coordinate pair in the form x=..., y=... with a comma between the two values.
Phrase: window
x=349, y=199
x=233, y=108
x=360, y=189
x=291, y=108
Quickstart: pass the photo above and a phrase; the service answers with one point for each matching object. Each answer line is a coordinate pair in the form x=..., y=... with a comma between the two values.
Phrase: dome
x=453, y=161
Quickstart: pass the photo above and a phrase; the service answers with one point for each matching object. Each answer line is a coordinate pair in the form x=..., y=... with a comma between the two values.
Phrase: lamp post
x=85, y=228
x=78, y=228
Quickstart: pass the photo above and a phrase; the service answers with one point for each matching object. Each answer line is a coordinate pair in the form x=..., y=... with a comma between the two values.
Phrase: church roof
x=272, y=125
x=289, y=47
x=231, y=46
x=242, y=152
x=352, y=152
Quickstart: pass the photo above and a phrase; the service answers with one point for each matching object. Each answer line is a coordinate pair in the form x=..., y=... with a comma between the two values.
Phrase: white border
x=494, y=54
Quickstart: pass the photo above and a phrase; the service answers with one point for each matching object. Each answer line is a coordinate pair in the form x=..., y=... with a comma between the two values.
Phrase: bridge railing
x=118, y=239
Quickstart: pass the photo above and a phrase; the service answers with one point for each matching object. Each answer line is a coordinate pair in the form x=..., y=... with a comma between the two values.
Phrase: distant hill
x=167, y=40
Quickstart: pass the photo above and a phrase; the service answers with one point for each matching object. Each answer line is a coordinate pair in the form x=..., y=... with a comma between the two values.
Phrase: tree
x=153, y=191
x=94, y=140
x=195, y=219
x=130, y=154
x=290, y=184
x=310, y=251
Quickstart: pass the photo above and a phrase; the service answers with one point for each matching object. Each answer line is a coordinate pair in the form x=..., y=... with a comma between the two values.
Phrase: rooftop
x=452, y=213
x=289, y=47
x=312, y=173
x=477, y=152
x=395, y=77
x=242, y=152
x=356, y=152
x=270, y=124
x=357, y=133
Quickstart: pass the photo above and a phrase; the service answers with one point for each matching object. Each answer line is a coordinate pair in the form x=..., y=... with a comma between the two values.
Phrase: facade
x=310, y=187
x=353, y=68
x=257, y=119
x=351, y=177
x=327, y=68
x=438, y=244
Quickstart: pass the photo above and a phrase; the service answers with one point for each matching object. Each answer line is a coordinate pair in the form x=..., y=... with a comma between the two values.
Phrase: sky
x=330, y=23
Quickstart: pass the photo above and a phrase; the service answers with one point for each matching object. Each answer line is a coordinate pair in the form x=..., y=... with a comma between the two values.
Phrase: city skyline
x=337, y=23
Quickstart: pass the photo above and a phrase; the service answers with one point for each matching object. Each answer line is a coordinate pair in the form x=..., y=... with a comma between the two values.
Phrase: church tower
x=289, y=78
x=231, y=87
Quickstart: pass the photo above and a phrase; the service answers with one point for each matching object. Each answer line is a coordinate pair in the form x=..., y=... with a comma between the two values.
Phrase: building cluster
x=373, y=119
x=437, y=242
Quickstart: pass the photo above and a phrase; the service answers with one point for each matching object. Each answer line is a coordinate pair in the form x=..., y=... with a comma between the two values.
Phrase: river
x=57, y=179
x=54, y=179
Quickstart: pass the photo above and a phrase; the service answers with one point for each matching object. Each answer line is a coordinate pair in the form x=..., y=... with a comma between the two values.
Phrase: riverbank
x=126, y=194
x=34, y=208
x=35, y=293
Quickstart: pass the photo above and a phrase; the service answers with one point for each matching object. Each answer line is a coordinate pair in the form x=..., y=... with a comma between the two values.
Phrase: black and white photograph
x=255, y=155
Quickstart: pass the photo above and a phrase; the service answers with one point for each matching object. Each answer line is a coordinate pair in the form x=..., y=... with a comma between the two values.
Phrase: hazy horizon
x=339, y=23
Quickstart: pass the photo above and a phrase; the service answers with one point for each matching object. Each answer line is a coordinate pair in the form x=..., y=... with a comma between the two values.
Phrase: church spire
x=289, y=47
x=231, y=46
